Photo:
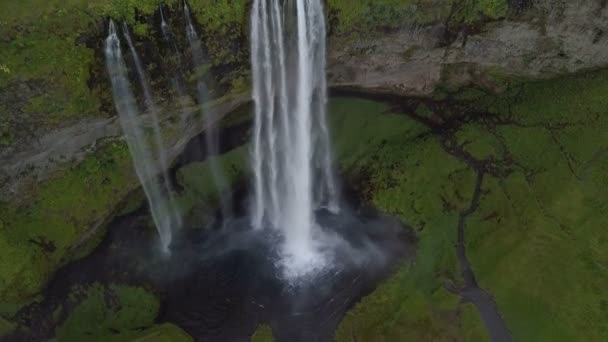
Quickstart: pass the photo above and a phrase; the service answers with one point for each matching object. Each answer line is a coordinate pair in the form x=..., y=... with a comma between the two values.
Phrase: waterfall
x=199, y=61
x=161, y=154
x=176, y=77
x=146, y=165
x=291, y=153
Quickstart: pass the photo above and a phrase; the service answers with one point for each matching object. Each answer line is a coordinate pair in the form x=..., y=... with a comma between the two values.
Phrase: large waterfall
x=291, y=155
x=148, y=159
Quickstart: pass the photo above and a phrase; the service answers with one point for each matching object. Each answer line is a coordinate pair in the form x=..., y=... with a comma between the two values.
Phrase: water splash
x=200, y=61
x=291, y=156
x=146, y=165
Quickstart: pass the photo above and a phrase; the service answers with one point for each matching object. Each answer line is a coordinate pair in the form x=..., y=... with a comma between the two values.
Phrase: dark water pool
x=220, y=284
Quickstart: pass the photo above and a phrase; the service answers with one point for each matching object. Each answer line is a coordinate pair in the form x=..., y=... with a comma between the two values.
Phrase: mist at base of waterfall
x=221, y=284
x=340, y=242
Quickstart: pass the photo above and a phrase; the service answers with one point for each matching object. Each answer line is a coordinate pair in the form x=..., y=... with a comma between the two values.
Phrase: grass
x=263, y=334
x=6, y=327
x=41, y=234
x=543, y=253
x=200, y=195
x=163, y=333
x=49, y=68
x=406, y=173
x=365, y=16
x=115, y=312
x=537, y=242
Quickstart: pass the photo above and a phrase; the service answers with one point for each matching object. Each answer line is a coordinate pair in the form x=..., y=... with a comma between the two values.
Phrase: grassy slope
x=38, y=237
x=537, y=241
x=49, y=78
x=199, y=197
x=263, y=334
x=40, y=49
x=116, y=313
x=406, y=173
x=363, y=16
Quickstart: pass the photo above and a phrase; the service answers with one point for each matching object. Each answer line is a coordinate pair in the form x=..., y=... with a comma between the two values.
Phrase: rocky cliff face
x=539, y=40
x=59, y=137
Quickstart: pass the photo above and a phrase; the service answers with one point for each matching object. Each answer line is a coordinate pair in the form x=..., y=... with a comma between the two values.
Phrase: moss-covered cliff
x=64, y=170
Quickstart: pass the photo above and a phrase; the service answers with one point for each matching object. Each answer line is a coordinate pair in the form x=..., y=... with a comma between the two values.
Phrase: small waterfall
x=146, y=165
x=176, y=77
x=153, y=111
x=199, y=61
x=291, y=154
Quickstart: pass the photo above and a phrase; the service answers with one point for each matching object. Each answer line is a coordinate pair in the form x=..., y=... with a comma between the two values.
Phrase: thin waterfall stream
x=145, y=159
x=199, y=61
x=177, y=75
x=159, y=148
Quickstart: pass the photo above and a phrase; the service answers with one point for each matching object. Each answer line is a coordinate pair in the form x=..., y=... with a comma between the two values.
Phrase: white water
x=147, y=166
x=291, y=156
x=211, y=131
x=161, y=154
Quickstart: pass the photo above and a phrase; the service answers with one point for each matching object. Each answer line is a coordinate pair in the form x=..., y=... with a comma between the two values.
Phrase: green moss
x=225, y=27
x=37, y=237
x=365, y=16
x=57, y=64
x=470, y=11
x=163, y=333
x=114, y=312
x=200, y=195
x=47, y=72
x=405, y=172
x=133, y=202
x=263, y=334
x=473, y=328
x=537, y=242
x=6, y=327
x=479, y=142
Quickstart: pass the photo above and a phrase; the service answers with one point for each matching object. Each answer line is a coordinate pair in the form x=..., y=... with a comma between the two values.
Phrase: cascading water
x=291, y=156
x=211, y=132
x=159, y=147
x=146, y=165
x=176, y=79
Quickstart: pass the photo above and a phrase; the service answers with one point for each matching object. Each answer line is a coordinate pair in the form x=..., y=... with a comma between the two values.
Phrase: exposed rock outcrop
x=548, y=40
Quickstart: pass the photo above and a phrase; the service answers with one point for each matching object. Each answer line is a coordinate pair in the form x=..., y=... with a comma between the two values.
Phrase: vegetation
x=200, y=195
x=403, y=170
x=538, y=248
x=40, y=235
x=115, y=311
x=368, y=15
x=51, y=69
x=537, y=241
x=263, y=334
x=164, y=333
x=6, y=327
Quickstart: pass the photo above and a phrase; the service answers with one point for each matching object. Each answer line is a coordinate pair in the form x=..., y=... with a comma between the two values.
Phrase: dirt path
x=483, y=301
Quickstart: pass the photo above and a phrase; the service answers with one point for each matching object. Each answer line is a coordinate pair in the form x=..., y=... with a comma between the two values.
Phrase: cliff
x=59, y=135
